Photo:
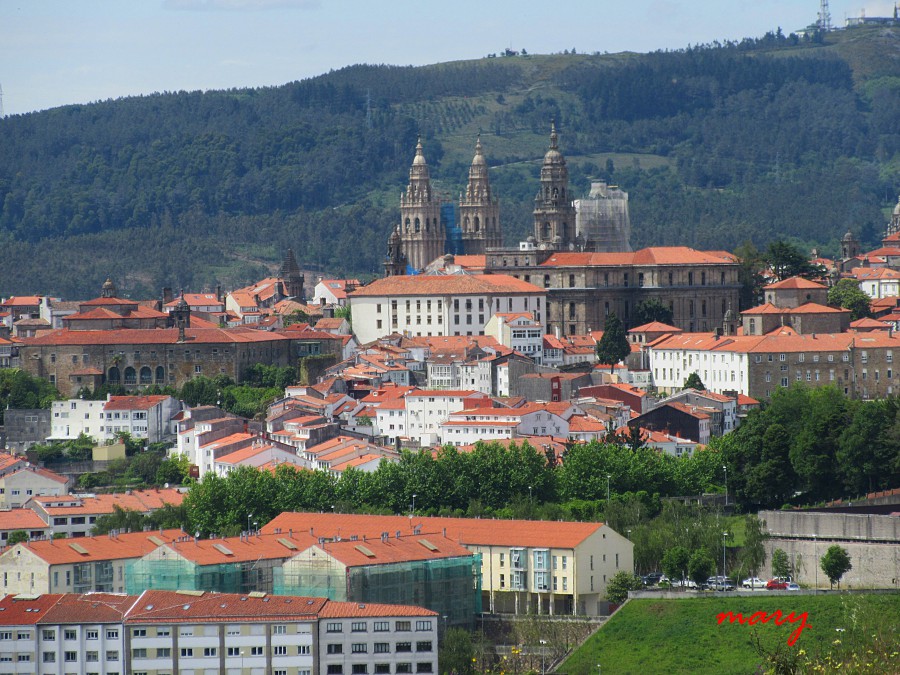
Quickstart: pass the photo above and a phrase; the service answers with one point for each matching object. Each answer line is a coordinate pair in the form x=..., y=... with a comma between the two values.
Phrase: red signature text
x=777, y=617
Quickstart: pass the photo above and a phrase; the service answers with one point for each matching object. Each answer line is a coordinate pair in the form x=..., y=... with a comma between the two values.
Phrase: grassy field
x=844, y=633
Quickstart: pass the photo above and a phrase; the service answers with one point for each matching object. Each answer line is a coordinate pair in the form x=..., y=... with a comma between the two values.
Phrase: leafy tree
x=753, y=552
x=297, y=316
x=144, y=467
x=786, y=260
x=617, y=588
x=651, y=310
x=120, y=519
x=693, y=381
x=457, y=653
x=174, y=470
x=847, y=294
x=701, y=567
x=781, y=566
x=613, y=345
x=18, y=389
x=835, y=563
x=675, y=562
x=751, y=265
x=16, y=537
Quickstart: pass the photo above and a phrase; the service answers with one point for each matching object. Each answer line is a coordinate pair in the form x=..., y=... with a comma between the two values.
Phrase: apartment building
x=526, y=566
x=17, y=487
x=142, y=417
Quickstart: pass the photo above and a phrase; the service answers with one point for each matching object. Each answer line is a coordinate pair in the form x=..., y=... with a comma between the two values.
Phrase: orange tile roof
x=133, y=402
x=28, y=610
x=138, y=500
x=174, y=607
x=46, y=473
x=583, y=423
x=91, y=608
x=241, y=549
x=7, y=460
x=866, y=322
x=655, y=327
x=453, y=284
x=129, y=336
x=688, y=409
x=814, y=308
x=765, y=308
x=129, y=545
x=354, y=610
x=21, y=519
x=22, y=301
x=407, y=548
x=466, y=531
x=473, y=262
x=794, y=283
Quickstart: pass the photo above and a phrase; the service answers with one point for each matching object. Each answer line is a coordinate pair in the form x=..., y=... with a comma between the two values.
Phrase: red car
x=776, y=585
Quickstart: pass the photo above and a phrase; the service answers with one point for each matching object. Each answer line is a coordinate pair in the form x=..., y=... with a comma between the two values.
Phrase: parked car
x=720, y=583
x=653, y=578
x=776, y=585
x=687, y=583
x=753, y=582
x=792, y=587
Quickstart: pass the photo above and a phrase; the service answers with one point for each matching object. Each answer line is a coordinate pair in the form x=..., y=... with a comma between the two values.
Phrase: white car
x=793, y=587
x=753, y=582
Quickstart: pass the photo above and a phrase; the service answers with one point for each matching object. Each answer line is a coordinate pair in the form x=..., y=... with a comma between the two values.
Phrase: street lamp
x=725, y=469
x=242, y=661
x=598, y=669
x=249, y=516
x=816, y=559
x=724, y=576
x=529, y=494
x=543, y=644
x=608, y=476
x=412, y=512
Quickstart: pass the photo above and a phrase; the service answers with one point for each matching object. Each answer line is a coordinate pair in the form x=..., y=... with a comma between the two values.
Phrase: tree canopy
x=613, y=345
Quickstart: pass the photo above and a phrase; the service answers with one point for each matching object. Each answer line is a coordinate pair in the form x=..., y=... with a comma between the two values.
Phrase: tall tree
x=847, y=294
x=786, y=260
x=614, y=345
x=835, y=563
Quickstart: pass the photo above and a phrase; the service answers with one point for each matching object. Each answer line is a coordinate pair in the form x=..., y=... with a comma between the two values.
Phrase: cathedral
x=579, y=250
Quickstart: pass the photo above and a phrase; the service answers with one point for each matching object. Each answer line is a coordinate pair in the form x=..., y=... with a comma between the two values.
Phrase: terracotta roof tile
x=453, y=284
x=21, y=519
x=129, y=545
x=26, y=610
x=133, y=402
x=794, y=283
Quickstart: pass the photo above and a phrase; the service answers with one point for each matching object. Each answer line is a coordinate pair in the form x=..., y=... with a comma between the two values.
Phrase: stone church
x=579, y=250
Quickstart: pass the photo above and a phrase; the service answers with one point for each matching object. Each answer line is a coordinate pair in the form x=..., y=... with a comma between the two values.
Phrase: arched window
x=417, y=225
x=466, y=224
x=113, y=376
x=477, y=224
x=407, y=224
x=146, y=375
x=160, y=375
x=546, y=232
x=130, y=376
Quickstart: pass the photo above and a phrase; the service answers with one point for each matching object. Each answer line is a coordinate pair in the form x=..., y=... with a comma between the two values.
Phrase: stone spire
x=479, y=211
x=554, y=214
x=421, y=230
x=108, y=290
x=291, y=278
x=395, y=261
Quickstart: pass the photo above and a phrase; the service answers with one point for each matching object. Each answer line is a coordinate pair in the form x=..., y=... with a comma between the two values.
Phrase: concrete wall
x=872, y=541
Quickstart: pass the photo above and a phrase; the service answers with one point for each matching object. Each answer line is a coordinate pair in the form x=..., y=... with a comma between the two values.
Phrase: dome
x=897, y=207
x=478, y=160
x=419, y=158
x=848, y=236
x=729, y=315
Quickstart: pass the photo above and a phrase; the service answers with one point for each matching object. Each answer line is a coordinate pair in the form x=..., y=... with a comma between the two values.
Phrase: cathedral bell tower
x=479, y=211
x=422, y=232
x=395, y=262
x=554, y=213
x=291, y=279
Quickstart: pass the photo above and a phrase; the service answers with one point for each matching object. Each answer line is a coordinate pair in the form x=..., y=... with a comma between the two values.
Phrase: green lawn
x=683, y=636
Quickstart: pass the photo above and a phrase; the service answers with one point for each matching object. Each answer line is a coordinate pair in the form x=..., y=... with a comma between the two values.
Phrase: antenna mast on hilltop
x=824, y=21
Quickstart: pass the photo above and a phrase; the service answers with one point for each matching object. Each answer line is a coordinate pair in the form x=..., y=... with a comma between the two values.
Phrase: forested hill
x=716, y=145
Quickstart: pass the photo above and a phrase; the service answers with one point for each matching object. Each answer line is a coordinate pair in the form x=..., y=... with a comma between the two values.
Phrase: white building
x=143, y=417
x=721, y=362
x=334, y=291
x=20, y=485
x=881, y=282
x=481, y=424
x=439, y=305
x=426, y=410
x=520, y=332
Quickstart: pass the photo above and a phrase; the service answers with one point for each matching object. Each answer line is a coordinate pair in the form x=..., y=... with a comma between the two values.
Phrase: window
x=423, y=646
x=48, y=635
x=358, y=627
x=70, y=635
x=24, y=657
x=403, y=647
x=382, y=648
x=187, y=652
x=92, y=657
x=423, y=667
x=112, y=634
x=49, y=657
x=334, y=628
x=402, y=625
x=139, y=653
x=163, y=632
x=382, y=626
x=359, y=648
x=335, y=669
x=403, y=668
x=209, y=651
x=164, y=653
x=382, y=668
x=279, y=630
x=21, y=636
x=423, y=625
x=112, y=655
x=70, y=657
x=336, y=648
x=303, y=649
x=256, y=651
x=279, y=650
x=139, y=632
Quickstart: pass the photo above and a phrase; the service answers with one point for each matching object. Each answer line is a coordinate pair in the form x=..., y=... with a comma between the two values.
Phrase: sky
x=57, y=52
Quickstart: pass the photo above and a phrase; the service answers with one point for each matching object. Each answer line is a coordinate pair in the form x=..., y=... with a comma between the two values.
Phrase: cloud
x=238, y=5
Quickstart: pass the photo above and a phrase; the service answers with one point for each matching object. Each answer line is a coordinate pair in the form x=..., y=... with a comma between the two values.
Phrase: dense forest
x=717, y=145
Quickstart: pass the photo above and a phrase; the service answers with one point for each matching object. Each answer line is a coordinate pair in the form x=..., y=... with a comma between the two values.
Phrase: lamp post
x=598, y=669
x=249, y=516
x=816, y=559
x=608, y=476
x=412, y=512
x=529, y=494
x=543, y=644
x=724, y=576
x=725, y=469
x=242, y=662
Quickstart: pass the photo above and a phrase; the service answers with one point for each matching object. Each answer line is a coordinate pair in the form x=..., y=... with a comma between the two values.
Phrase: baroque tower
x=423, y=232
x=554, y=213
x=479, y=211
x=291, y=279
x=395, y=262
x=894, y=226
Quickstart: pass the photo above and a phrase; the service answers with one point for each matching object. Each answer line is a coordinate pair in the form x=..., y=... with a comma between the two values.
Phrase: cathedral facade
x=586, y=264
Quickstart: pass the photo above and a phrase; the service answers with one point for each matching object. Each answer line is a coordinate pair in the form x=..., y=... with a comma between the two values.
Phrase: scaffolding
x=449, y=586
x=602, y=219
x=184, y=575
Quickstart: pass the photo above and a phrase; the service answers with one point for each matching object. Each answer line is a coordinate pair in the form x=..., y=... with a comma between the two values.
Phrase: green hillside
x=716, y=145
x=844, y=634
